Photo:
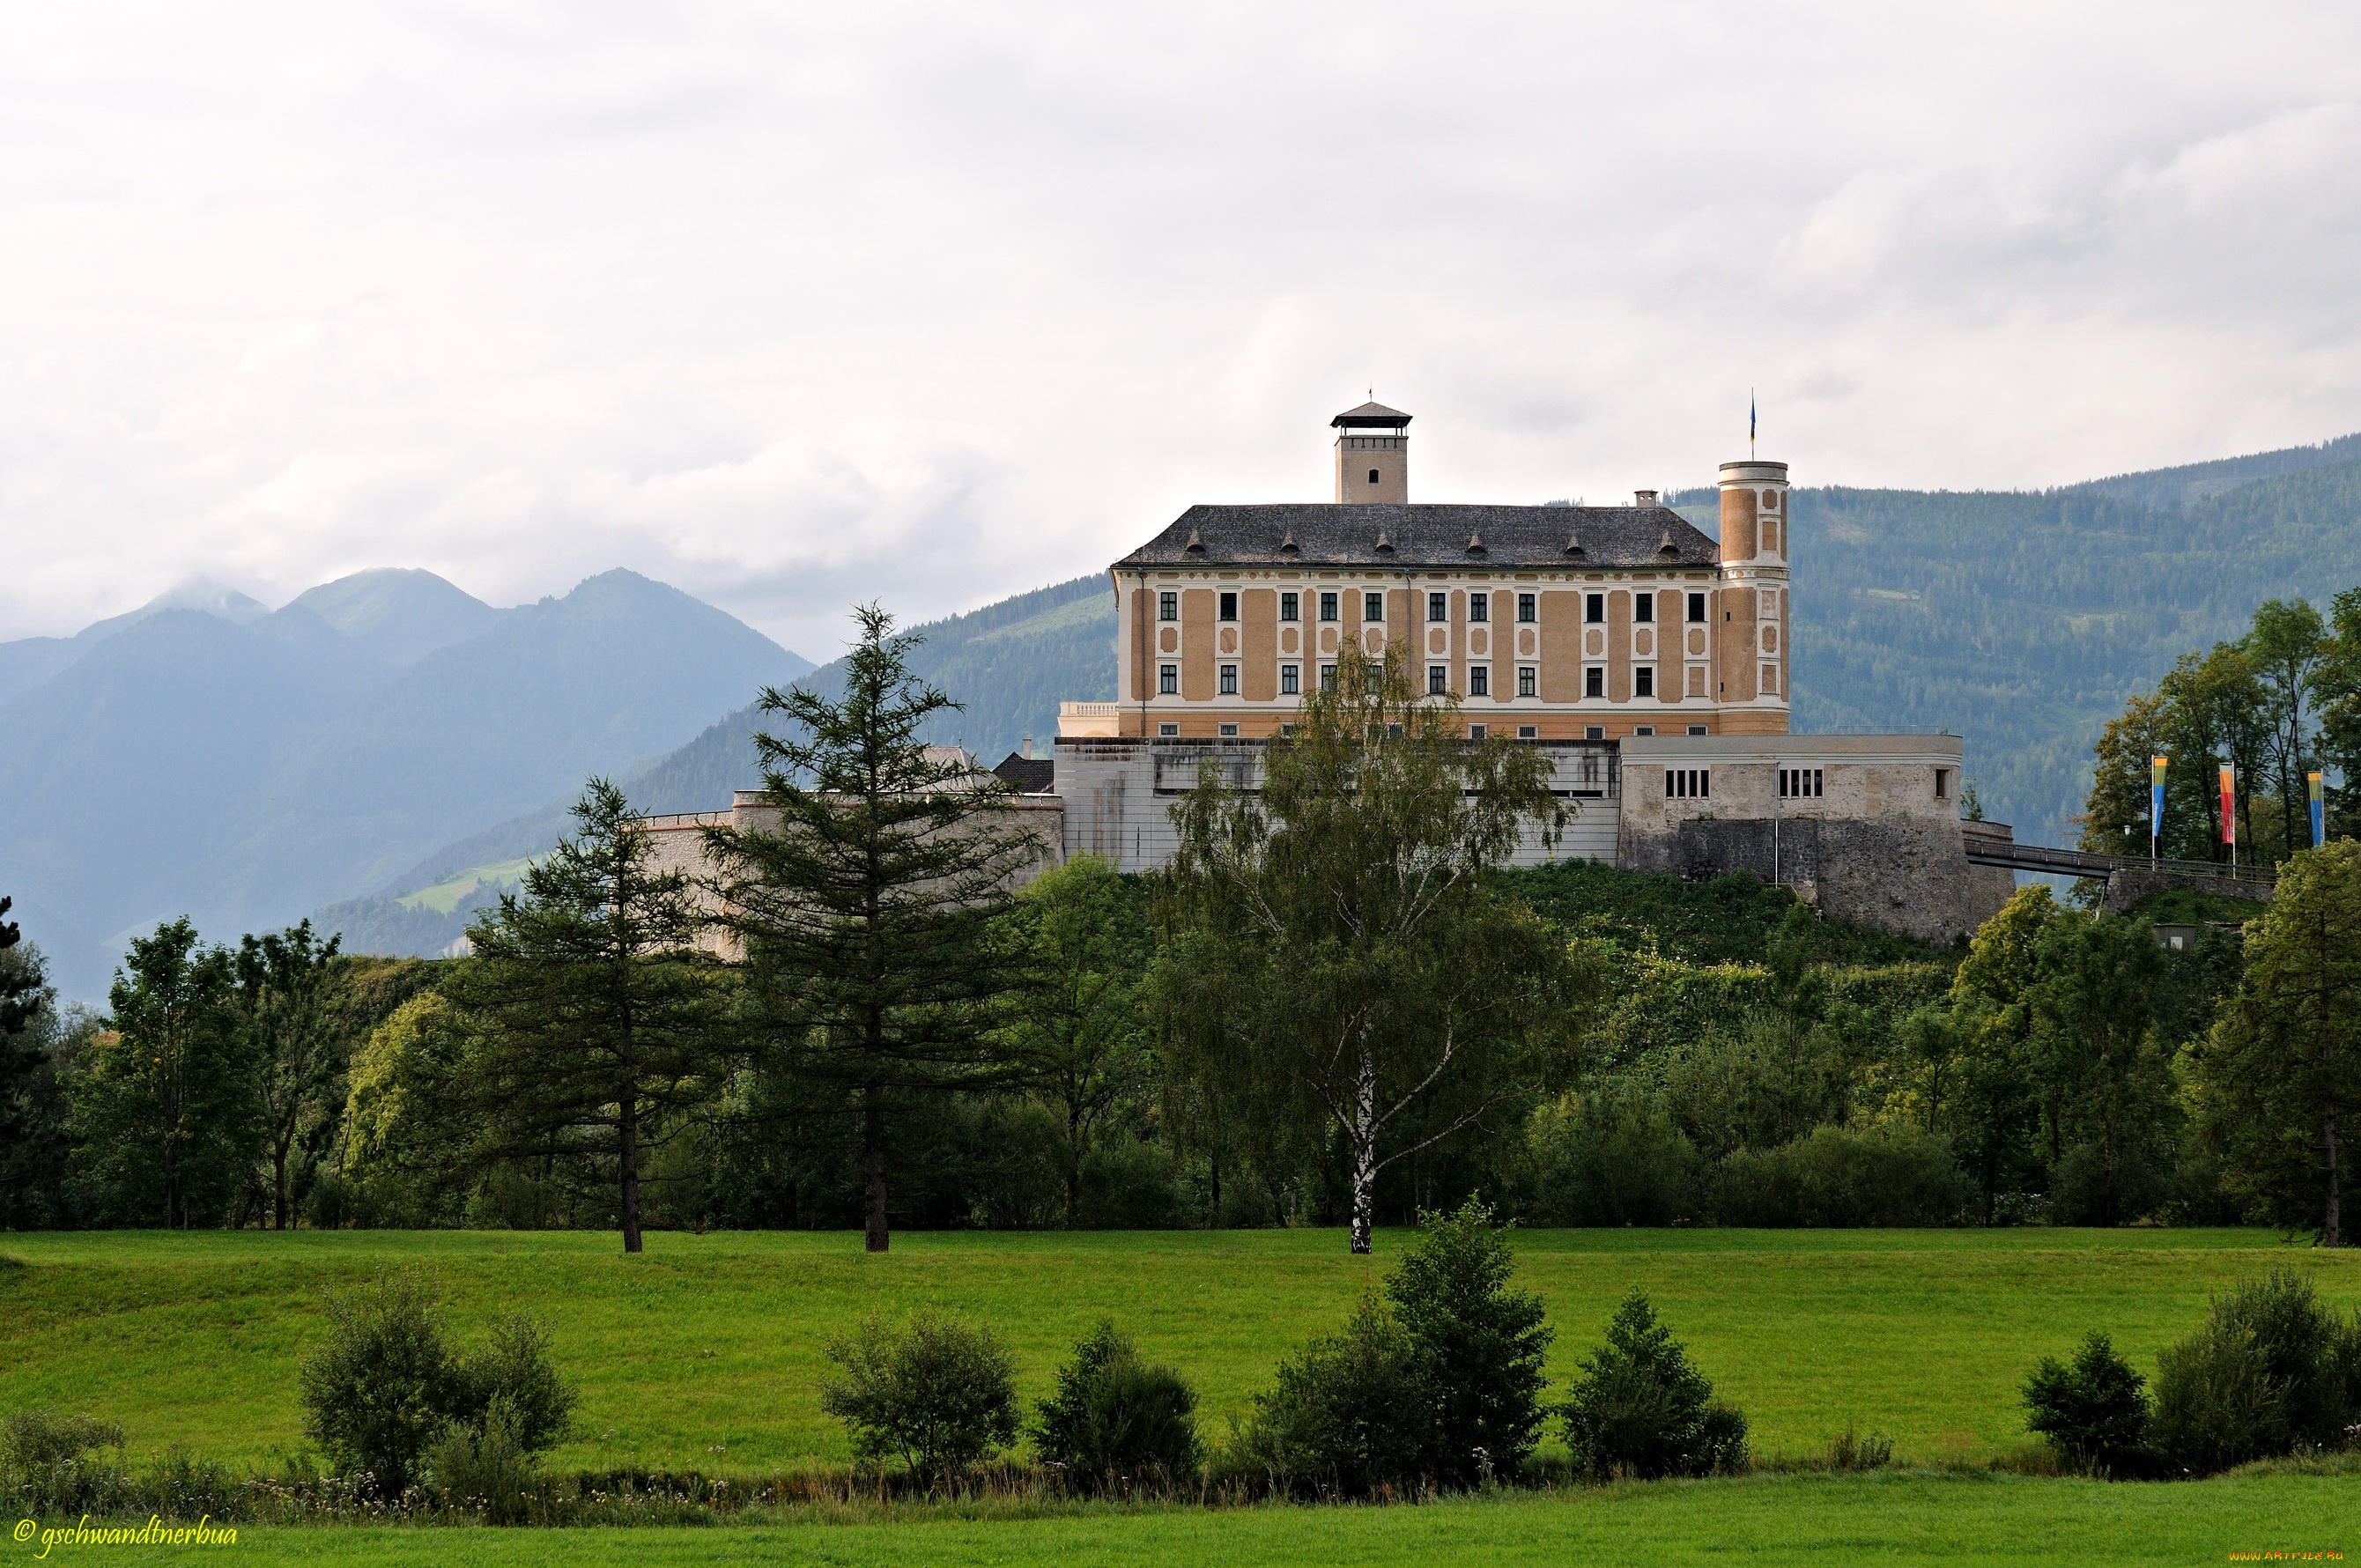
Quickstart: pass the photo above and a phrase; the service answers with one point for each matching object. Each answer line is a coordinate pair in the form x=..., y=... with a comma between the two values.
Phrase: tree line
x=1334, y=1007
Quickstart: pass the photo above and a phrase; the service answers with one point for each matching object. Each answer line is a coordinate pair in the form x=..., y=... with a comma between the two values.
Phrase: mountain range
x=386, y=752
x=207, y=756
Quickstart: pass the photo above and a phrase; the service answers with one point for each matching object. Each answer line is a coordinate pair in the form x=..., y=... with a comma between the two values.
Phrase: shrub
x=515, y=1375
x=46, y=1464
x=1355, y=1414
x=384, y=1386
x=2092, y=1409
x=1832, y=1177
x=939, y=1393
x=2272, y=1370
x=1482, y=1344
x=1849, y=1450
x=1640, y=1410
x=1611, y=1161
x=1115, y=1419
x=489, y=1469
x=1128, y=1185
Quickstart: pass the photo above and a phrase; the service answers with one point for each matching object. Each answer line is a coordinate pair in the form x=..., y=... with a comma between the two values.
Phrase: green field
x=1765, y=1519
x=713, y=1343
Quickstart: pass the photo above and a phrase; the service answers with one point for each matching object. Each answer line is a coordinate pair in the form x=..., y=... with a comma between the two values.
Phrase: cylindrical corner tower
x=1753, y=666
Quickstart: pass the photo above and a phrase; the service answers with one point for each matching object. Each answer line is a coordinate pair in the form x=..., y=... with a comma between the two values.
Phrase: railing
x=1986, y=849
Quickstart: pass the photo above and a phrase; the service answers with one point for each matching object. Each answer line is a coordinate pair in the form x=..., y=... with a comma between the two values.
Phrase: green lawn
x=1818, y=1521
x=714, y=1341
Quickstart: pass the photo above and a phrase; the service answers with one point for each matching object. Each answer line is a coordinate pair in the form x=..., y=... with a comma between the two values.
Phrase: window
x=1438, y=679
x=1373, y=476
x=1227, y=731
x=1477, y=731
x=1168, y=730
x=1373, y=607
x=1438, y=606
x=1529, y=731
x=1801, y=784
x=1594, y=732
x=1229, y=680
x=1288, y=607
x=1168, y=607
x=1327, y=677
x=1291, y=681
x=1327, y=607
x=1643, y=608
x=1594, y=609
x=1168, y=679
x=1697, y=729
x=1527, y=608
x=1479, y=680
x=1942, y=784
x=1229, y=607
x=1687, y=784
x=1645, y=730
x=1594, y=682
x=1287, y=731
x=1696, y=607
x=1644, y=681
x=1480, y=608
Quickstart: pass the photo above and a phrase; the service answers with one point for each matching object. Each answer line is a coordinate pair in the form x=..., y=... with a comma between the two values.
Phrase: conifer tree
x=600, y=1025
x=866, y=917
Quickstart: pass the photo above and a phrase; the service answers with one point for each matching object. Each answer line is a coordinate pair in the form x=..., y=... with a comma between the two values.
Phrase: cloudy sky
x=793, y=304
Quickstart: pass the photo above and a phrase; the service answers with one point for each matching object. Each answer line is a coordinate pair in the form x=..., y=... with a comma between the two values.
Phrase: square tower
x=1372, y=456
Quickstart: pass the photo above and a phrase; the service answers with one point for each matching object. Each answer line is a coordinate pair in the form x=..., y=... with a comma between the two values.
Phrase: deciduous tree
x=284, y=999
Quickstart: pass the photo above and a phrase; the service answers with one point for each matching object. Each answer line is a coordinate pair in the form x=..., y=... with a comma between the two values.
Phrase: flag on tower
x=2229, y=816
x=2319, y=812
x=2155, y=802
x=1750, y=422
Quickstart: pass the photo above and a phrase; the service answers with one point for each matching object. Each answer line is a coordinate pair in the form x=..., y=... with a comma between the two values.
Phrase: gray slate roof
x=1293, y=534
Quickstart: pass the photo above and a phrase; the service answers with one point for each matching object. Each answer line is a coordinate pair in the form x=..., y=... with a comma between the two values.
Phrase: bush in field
x=48, y=1463
x=1640, y=1410
x=1114, y=1418
x=386, y=1385
x=939, y=1394
x=489, y=1468
x=1832, y=1177
x=1356, y=1413
x=1481, y=1344
x=2092, y=1408
x=2271, y=1371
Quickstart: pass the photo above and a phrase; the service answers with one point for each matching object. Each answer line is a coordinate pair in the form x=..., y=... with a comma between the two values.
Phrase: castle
x=1649, y=663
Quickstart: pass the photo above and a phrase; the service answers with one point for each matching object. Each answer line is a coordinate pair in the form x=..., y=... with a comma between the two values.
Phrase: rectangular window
x=1226, y=731
x=1529, y=607
x=1645, y=730
x=1801, y=784
x=1643, y=608
x=1289, y=604
x=1168, y=730
x=1594, y=732
x=1696, y=607
x=1438, y=679
x=1373, y=607
x=1290, y=680
x=1168, y=679
x=1942, y=784
x=1528, y=731
x=1528, y=681
x=1229, y=680
x=1476, y=731
x=1480, y=608
x=1168, y=607
x=1327, y=677
x=1438, y=606
x=1687, y=784
x=1229, y=607
x=1479, y=680
x=1287, y=731
x=1594, y=609
x=1644, y=679
x=1697, y=729
x=1594, y=682
x=1327, y=607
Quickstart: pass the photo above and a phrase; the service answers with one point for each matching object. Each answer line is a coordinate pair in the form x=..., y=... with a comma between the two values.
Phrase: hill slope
x=242, y=770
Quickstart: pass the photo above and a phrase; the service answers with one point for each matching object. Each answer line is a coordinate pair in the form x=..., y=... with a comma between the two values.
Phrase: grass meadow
x=705, y=1352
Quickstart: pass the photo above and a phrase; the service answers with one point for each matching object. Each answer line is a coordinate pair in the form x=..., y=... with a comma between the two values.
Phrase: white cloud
x=791, y=306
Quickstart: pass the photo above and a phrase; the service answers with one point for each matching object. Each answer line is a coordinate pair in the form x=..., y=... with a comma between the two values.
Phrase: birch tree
x=1342, y=913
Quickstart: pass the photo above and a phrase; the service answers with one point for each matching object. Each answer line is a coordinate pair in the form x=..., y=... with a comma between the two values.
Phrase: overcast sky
x=788, y=305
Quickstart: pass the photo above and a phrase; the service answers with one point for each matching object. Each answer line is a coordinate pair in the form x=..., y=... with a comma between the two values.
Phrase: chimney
x=1028, y=748
x=1643, y=497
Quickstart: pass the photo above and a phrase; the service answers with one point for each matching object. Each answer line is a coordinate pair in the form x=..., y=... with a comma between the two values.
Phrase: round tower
x=1753, y=667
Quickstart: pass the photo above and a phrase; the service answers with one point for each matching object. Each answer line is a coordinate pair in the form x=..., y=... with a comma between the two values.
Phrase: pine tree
x=866, y=915
x=600, y=1027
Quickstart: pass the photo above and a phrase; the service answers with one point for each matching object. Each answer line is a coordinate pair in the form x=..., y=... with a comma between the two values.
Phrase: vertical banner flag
x=2229, y=818
x=2155, y=802
x=2319, y=812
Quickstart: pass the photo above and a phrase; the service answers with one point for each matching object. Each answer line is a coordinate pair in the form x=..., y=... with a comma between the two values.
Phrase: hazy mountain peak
x=396, y=615
x=198, y=593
